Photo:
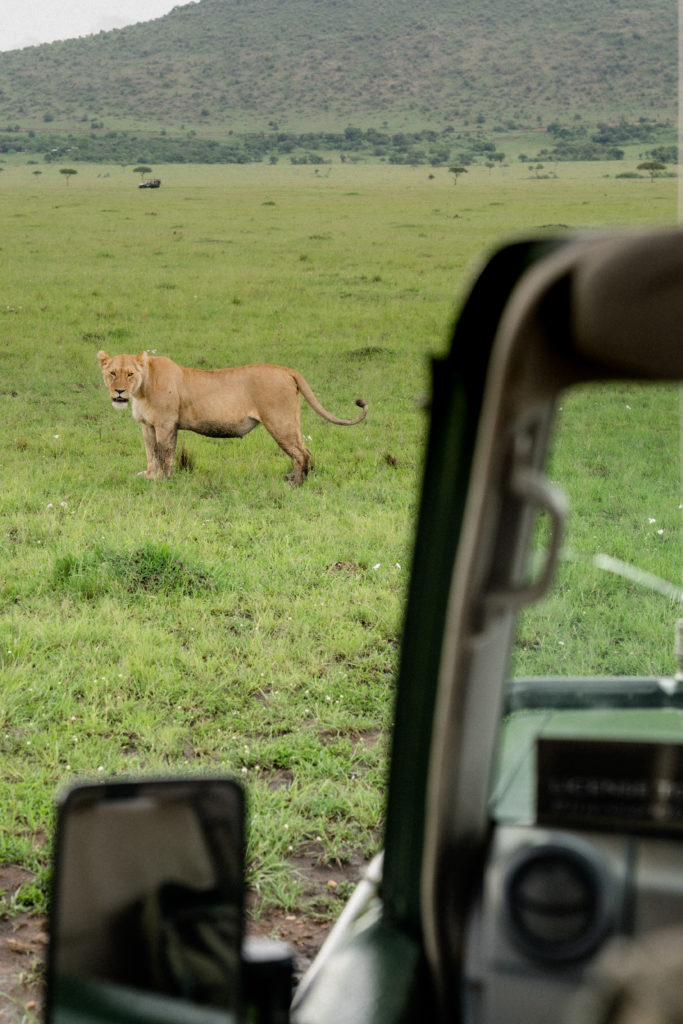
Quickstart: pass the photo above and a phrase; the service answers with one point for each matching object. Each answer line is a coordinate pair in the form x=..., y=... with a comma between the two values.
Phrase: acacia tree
x=68, y=172
x=142, y=171
x=652, y=167
x=455, y=171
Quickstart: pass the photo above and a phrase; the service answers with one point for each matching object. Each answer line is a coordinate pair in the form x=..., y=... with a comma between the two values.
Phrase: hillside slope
x=310, y=64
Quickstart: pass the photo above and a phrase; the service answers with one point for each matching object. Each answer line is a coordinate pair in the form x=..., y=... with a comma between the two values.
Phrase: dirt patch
x=306, y=932
x=305, y=935
x=23, y=947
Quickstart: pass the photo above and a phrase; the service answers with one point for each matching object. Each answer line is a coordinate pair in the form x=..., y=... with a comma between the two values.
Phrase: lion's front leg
x=150, y=438
x=160, y=444
x=165, y=449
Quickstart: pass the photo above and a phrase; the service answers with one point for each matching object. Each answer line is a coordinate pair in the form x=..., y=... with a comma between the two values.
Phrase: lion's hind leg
x=284, y=426
x=301, y=461
x=294, y=446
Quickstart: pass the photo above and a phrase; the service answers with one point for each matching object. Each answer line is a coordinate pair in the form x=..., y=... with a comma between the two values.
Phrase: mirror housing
x=147, y=909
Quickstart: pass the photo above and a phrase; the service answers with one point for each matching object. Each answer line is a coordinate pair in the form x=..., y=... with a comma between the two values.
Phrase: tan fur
x=166, y=398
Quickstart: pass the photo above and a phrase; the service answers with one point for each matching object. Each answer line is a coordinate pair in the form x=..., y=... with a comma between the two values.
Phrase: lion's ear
x=143, y=360
x=102, y=357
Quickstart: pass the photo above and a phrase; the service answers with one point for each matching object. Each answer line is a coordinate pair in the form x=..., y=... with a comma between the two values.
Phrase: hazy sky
x=27, y=22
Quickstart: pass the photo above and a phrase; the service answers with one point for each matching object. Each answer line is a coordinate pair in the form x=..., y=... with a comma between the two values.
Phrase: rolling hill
x=222, y=66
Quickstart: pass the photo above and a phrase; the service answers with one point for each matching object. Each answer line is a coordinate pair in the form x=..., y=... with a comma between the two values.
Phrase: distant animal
x=166, y=398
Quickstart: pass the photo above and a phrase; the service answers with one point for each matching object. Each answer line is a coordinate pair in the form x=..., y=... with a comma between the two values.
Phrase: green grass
x=616, y=454
x=221, y=620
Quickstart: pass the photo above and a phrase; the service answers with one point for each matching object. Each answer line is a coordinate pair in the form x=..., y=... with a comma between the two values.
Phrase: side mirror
x=147, y=904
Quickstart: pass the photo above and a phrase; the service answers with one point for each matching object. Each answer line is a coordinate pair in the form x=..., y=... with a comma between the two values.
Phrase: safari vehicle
x=150, y=183
x=529, y=822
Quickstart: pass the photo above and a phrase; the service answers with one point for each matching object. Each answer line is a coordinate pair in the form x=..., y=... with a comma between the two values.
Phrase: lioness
x=167, y=398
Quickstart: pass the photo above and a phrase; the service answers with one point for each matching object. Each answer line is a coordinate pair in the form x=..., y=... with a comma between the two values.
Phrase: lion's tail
x=307, y=392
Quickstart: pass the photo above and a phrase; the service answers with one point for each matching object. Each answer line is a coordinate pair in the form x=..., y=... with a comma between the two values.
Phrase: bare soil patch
x=306, y=931
x=23, y=946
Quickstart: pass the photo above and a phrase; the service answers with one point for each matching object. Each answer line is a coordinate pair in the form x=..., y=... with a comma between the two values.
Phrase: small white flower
x=55, y=436
x=377, y=566
x=660, y=532
x=651, y=521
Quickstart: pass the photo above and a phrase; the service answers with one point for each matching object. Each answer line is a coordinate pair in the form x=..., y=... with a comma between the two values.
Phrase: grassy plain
x=221, y=620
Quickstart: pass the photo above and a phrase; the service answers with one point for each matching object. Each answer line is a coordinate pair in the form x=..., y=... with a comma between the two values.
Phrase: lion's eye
x=130, y=373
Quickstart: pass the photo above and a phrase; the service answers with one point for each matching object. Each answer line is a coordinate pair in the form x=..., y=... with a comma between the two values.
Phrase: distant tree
x=142, y=170
x=652, y=167
x=455, y=171
x=36, y=174
x=666, y=154
x=68, y=172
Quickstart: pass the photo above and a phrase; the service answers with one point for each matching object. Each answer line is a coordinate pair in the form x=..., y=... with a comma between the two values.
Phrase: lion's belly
x=214, y=428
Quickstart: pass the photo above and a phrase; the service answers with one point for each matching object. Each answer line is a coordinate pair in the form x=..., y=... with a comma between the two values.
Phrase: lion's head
x=123, y=375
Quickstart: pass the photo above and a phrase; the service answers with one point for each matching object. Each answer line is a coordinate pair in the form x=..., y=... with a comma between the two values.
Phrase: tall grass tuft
x=152, y=568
